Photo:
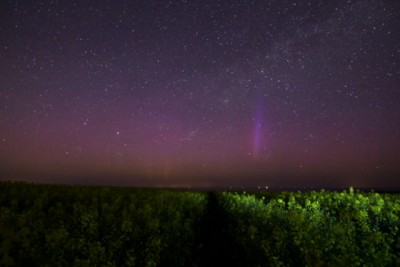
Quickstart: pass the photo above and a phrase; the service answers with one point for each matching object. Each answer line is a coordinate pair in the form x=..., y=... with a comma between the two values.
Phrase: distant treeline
x=55, y=225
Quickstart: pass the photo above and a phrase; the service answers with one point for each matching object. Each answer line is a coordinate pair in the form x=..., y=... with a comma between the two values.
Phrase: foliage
x=316, y=229
x=52, y=225
x=96, y=226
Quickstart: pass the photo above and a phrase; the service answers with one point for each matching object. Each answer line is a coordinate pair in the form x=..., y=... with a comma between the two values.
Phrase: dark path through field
x=217, y=247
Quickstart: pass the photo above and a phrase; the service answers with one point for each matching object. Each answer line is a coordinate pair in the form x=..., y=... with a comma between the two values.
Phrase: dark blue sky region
x=201, y=93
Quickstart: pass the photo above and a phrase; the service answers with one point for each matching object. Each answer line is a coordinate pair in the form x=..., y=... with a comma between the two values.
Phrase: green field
x=54, y=225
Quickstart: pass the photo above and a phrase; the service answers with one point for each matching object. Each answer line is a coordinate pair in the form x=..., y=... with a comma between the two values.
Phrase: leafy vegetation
x=96, y=226
x=51, y=225
x=316, y=229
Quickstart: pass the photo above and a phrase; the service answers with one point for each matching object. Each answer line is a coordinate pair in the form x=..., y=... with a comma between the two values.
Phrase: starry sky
x=201, y=93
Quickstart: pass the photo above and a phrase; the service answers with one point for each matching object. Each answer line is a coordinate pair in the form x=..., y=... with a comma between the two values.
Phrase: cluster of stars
x=252, y=88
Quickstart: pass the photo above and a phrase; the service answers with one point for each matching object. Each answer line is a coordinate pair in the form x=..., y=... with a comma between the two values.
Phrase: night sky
x=201, y=93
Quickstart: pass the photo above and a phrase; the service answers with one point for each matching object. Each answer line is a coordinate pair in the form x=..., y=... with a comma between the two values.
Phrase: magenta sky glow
x=201, y=93
x=258, y=133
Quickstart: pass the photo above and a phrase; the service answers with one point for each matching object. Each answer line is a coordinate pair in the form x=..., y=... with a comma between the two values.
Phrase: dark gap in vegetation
x=217, y=248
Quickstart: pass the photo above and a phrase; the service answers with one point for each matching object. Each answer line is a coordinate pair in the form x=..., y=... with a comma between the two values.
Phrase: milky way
x=201, y=93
